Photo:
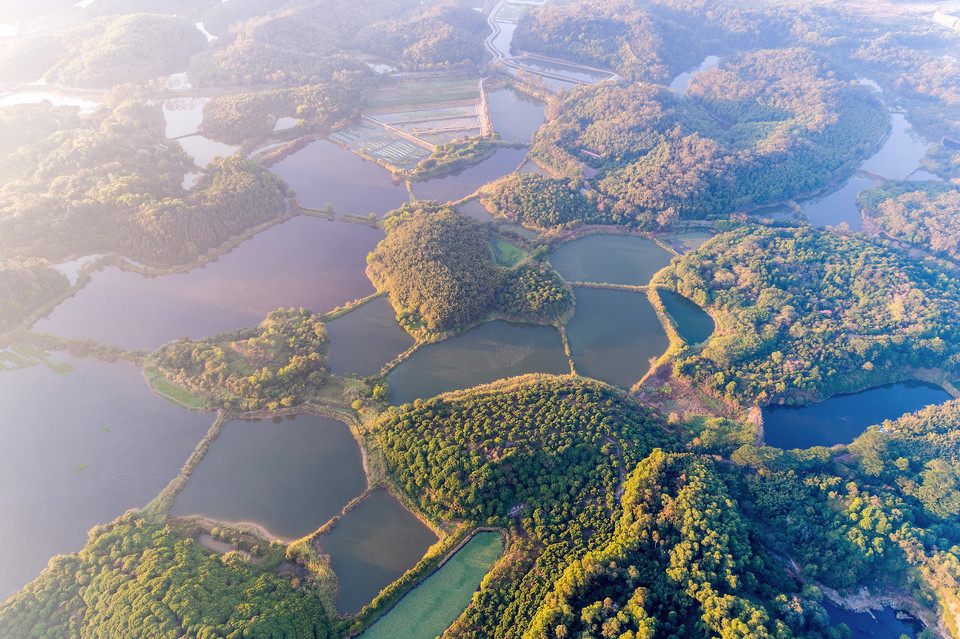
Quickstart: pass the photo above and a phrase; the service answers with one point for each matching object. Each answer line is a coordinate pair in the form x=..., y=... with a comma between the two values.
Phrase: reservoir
x=613, y=335
x=482, y=355
x=610, y=259
x=840, y=419
x=290, y=476
x=365, y=339
x=461, y=183
x=323, y=173
x=515, y=115
x=372, y=546
x=306, y=261
x=693, y=323
x=79, y=450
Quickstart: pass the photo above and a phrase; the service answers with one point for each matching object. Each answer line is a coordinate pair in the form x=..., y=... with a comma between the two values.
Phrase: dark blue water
x=840, y=419
x=877, y=624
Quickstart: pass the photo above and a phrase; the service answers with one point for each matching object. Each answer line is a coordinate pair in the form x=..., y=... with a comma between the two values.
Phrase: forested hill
x=805, y=314
x=763, y=127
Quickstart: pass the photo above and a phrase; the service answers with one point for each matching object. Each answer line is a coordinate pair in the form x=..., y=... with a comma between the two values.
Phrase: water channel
x=288, y=475
x=840, y=419
x=309, y=262
x=79, y=450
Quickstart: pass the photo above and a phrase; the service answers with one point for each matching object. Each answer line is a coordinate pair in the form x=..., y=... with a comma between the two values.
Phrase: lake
x=682, y=81
x=365, y=339
x=430, y=608
x=183, y=116
x=372, y=546
x=307, y=261
x=203, y=150
x=324, y=173
x=290, y=476
x=876, y=623
x=80, y=450
x=610, y=259
x=840, y=419
x=837, y=206
x=693, y=323
x=461, y=183
x=482, y=355
x=614, y=334
x=515, y=115
x=901, y=153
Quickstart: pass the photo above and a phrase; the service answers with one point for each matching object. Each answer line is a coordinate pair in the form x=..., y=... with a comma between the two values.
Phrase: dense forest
x=921, y=213
x=428, y=37
x=23, y=286
x=760, y=128
x=279, y=364
x=541, y=202
x=805, y=314
x=437, y=266
x=134, y=579
x=113, y=184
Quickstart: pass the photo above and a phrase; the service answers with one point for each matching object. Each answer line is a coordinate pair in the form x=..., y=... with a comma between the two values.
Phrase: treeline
x=24, y=285
x=806, y=314
x=134, y=579
x=921, y=213
x=296, y=43
x=434, y=36
x=279, y=364
x=112, y=50
x=542, y=202
x=438, y=269
x=763, y=127
x=235, y=119
x=114, y=184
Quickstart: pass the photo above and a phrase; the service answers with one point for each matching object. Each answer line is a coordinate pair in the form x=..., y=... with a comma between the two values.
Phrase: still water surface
x=611, y=259
x=877, y=624
x=79, y=450
x=840, y=419
x=289, y=477
x=614, y=334
x=459, y=184
x=515, y=115
x=693, y=323
x=323, y=173
x=372, y=546
x=482, y=355
x=365, y=339
x=307, y=261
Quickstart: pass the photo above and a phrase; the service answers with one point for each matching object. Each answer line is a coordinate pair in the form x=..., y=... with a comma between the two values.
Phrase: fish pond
x=288, y=475
x=693, y=323
x=323, y=173
x=429, y=609
x=461, y=183
x=613, y=335
x=840, y=419
x=515, y=115
x=81, y=445
x=372, y=546
x=365, y=339
x=484, y=354
x=610, y=259
x=306, y=261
